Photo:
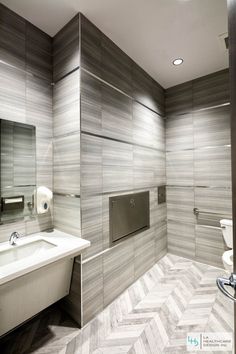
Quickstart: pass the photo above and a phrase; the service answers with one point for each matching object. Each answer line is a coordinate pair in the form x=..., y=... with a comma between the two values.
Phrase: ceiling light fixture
x=178, y=61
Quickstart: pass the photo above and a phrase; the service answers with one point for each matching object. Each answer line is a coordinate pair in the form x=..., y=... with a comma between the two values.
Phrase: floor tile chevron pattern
x=152, y=316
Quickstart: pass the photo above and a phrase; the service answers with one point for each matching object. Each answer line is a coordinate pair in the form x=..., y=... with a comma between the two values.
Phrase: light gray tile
x=213, y=200
x=67, y=214
x=179, y=168
x=12, y=94
x=116, y=115
x=44, y=162
x=160, y=241
x=144, y=252
x=149, y=167
x=181, y=239
x=212, y=127
x=179, y=132
x=117, y=178
x=91, y=214
x=92, y=288
x=91, y=164
x=39, y=105
x=66, y=105
x=212, y=167
x=148, y=127
x=116, y=154
x=91, y=104
x=180, y=204
x=67, y=164
x=118, y=268
x=209, y=245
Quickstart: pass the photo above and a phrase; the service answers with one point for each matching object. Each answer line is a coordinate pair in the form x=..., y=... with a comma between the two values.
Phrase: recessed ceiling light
x=178, y=61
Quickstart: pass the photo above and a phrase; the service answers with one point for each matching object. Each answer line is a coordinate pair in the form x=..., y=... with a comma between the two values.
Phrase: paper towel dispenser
x=17, y=170
x=129, y=215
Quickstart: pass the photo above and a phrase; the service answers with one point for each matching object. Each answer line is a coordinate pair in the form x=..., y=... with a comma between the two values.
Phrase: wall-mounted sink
x=18, y=252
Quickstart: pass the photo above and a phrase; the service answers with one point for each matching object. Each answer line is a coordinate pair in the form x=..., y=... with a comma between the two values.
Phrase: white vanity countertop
x=65, y=246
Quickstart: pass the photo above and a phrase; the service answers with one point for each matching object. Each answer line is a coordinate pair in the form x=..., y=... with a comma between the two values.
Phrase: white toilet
x=227, y=230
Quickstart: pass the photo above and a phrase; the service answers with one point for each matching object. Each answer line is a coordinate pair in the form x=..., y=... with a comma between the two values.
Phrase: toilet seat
x=227, y=259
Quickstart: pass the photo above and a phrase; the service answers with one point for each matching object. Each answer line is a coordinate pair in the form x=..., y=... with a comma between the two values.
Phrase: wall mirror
x=17, y=170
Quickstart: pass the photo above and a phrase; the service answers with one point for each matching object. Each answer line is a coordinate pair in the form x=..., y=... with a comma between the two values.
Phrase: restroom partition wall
x=198, y=161
x=109, y=140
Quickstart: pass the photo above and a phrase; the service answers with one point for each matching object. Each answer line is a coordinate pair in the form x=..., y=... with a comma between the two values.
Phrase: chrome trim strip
x=67, y=195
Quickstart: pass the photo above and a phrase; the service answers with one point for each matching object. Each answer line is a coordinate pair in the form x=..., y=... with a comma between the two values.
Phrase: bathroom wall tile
x=144, y=252
x=179, y=168
x=66, y=49
x=116, y=66
x=91, y=104
x=160, y=241
x=39, y=105
x=211, y=90
x=149, y=167
x=91, y=216
x=180, y=204
x=44, y=162
x=67, y=164
x=91, y=164
x=146, y=90
x=117, y=161
x=66, y=179
x=116, y=153
x=12, y=93
x=12, y=38
x=209, y=245
x=39, y=223
x=179, y=132
x=66, y=105
x=67, y=214
x=214, y=200
x=212, y=127
x=91, y=46
x=38, y=52
x=118, y=268
x=181, y=239
x=148, y=127
x=212, y=167
x=179, y=99
x=67, y=150
x=116, y=114
x=92, y=288
x=117, y=178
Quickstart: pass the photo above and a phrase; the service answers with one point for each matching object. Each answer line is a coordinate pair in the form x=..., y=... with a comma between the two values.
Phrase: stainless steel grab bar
x=196, y=211
x=231, y=281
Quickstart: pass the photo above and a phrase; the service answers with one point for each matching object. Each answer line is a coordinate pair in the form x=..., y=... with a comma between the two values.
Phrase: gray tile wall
x=101, y=107
x=26, y=97
x=198, y=166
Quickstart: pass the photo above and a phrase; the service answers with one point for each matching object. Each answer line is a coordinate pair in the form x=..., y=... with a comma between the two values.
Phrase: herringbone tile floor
x=152, y=316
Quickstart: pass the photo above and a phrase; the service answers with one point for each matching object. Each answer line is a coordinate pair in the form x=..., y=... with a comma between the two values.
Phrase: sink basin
x=31, y=249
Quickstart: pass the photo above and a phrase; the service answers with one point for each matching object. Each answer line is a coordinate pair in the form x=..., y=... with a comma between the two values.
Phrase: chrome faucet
x=13, y=237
